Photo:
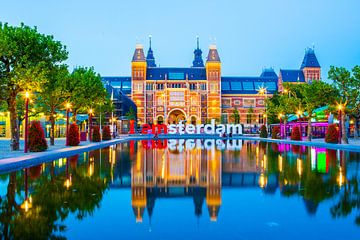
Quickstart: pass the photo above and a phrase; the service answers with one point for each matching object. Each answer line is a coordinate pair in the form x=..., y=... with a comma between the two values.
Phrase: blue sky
x=249, y=35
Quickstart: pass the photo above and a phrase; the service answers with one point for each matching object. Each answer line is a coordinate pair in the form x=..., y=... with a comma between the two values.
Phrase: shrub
x=263, y=132
x=106, y=135
x=275, y=133
x=74, y=138
x=332, y=134
x=96, y=137
x=295, y=134
x=36, y=141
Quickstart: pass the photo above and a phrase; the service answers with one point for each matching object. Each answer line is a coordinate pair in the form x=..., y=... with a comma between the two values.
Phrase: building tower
x=138, y=77
x=150, y=59
x=213, y=75
x=198, y=61
x=310, y=66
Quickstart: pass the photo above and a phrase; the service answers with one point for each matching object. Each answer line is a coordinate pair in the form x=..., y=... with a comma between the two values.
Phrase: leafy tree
x=25, y=57
x=37, y=141
x=355, y=103
x=263, y=132
x=131, y=114
x=87, y=90
x=54, y=95
x=236, y=116
x=316, y=94
x=345, y=84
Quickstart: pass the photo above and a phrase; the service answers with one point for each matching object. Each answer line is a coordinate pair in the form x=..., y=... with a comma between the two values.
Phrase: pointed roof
x=150, y=59
x=139, y=55
x=292, y=75
x=268, y=72
x=198, y=61
x=310, y=59
x=213, y=55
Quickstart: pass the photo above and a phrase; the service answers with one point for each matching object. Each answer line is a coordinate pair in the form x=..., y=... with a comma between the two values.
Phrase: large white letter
x=220, y=129
x=181, y=128
x=190, y=129
x=211, y=126
x=172, y=129
x=198, y=128
x=234, y=129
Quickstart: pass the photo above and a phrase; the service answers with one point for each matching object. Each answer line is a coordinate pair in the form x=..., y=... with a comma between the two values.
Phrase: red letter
x=145, y=129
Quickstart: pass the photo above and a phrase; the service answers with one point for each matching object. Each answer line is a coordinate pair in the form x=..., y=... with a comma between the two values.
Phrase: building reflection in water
x=200, y=168
x=164, y=169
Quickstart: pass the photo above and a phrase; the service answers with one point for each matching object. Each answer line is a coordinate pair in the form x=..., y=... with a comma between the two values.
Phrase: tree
x=96, y=136
x=345, y=84
x=25, y=57
x=236, y=116
x=73, y=135
x=355, y=104
x=54, y=95
x=263, y=132
x=37, y=141
x=316, y=94
x=106, y=135
x=131, y=114
x=87, y=90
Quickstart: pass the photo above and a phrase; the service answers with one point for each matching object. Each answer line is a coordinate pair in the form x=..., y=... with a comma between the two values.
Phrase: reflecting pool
x=194, y=189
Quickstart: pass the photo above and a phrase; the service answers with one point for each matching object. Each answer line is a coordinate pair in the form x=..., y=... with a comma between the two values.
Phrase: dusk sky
x=250, y=35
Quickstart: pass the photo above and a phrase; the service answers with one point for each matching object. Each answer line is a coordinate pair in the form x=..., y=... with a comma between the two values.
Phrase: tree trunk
x=344, y=130
x=309, y=133
x=356, y=134
x=285, y=135
x=14, y=142
x=52, y=129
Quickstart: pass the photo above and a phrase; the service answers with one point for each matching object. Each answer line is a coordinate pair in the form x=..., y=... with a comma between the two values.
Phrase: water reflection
x=36, y=202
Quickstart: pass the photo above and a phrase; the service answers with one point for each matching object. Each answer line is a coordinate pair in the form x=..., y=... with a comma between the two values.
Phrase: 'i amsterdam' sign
x=182, y=128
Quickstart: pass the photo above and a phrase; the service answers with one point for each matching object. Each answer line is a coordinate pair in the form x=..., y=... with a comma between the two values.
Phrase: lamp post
x=340, y=123
x=27, y=95
x=67, y=123
x=280, y=118
x=90, y=124
x=299, y=114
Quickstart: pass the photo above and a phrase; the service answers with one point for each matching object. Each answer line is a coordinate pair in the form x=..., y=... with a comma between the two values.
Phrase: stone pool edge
x=20, y=162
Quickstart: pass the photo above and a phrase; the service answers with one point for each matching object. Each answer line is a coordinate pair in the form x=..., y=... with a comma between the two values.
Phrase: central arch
x=175, y=116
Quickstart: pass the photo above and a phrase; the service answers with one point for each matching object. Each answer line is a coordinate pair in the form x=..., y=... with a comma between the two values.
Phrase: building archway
x=160, y=119
x=193, y=120
x=175, y=116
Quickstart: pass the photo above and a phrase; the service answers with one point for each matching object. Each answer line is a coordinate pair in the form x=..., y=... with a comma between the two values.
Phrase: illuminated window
x=138, y=87
x=213, y=87
x=236, y=102
x=261, y=102
x=249, y=102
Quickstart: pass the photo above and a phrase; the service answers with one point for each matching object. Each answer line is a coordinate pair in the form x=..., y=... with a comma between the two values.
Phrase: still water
x=194, y=189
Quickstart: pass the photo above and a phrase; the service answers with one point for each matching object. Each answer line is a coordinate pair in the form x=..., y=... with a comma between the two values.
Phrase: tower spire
x=150, y=59
x=198, y=61
x=150, y=41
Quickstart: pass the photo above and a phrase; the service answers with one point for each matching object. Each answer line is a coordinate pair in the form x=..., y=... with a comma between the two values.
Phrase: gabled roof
x=310, y=59
x=248, y=85
x=292, y=75
x=172, y=73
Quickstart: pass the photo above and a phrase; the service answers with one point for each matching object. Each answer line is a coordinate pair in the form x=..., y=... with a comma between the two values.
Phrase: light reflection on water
x=169, y=188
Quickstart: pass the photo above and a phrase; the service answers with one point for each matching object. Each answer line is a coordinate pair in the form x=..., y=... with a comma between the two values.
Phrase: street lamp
x=280, y=118
x=299, y=114
x=340, y=127
x=68, y=106
x=27, y=96
x=90, y=124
